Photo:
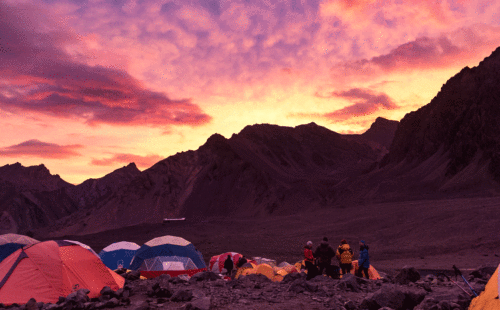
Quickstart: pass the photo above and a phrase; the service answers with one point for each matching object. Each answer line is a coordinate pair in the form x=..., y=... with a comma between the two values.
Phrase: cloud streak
x=365, y=102
x=36, y=148
x=38, y=76
x=141, y=161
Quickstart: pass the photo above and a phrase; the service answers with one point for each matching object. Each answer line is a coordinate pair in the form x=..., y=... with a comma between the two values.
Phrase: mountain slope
x=31, y=197
x=265, y=169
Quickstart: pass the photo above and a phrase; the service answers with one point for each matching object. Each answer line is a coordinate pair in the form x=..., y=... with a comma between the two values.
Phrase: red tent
x=50, y=269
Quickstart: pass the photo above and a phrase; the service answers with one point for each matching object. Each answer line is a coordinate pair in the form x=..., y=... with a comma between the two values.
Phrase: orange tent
x=372, y=272
x=50, y=269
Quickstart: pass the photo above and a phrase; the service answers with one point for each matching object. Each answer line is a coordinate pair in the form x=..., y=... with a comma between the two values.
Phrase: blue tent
x=9, y=243
x=168, y=254
x=118, y=254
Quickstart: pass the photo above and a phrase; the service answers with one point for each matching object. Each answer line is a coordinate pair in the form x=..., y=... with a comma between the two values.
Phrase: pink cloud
x=365, y=102
x=39, y=76
x=140, y=161
x=36, y=148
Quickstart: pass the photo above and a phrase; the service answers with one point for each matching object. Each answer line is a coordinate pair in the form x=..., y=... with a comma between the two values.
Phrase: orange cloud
x=36, y=148
x=140, y=161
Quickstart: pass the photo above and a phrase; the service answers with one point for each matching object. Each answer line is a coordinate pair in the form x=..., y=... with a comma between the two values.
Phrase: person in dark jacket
x=312, y=271
x=344, y=255
x=324, y=254
x=364, y=259
x=228, y=264
x=242, y=261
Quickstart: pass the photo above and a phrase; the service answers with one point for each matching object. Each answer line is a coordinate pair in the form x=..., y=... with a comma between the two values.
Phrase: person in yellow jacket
x=344, y=255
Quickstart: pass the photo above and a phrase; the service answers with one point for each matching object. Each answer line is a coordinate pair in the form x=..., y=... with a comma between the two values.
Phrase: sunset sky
x=87, y=86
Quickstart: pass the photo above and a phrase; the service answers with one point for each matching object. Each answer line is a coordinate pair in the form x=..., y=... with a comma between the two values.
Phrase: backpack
x=346, y=256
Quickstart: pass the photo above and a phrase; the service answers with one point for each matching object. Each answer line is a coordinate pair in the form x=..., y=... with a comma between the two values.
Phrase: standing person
x=324, y=254
x=344, y=255
x=312, y=271
x=228, y=265
x=364, y=259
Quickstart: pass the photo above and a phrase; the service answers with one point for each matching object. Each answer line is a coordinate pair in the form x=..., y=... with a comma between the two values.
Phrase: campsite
x=275, y=154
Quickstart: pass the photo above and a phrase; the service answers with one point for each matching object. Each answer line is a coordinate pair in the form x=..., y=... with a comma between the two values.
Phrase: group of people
x=321, y=260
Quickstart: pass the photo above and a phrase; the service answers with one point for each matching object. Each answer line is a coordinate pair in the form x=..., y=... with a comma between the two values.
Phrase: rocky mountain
x=31, y=197
x=94, y=191
x=449, y=147
x=264, y=169
x=462, y=121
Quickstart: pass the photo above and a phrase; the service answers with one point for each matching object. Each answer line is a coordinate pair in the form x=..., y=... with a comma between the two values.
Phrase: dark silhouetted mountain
x=30, y=198
x=379, y=136
x=461, y=121
x=265, y=169
x=31, y=178
x=93, y=191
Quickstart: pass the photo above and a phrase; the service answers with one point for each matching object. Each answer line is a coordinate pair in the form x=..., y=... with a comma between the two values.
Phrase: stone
x=113, y=302
x=292, y=277
x=483, y=272
x=31, y=304
x=182, y=295
x=204, y=276
x=407, y=275
x=80, y=296
x=133, y=275
x=349, y=282
x=387, y=296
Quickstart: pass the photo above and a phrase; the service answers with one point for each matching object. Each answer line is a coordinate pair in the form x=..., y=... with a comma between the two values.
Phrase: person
x=242, y=261
x=364, y=259
x=344, y=255
x=228, y=265
x=324, y=254
x=312, y=271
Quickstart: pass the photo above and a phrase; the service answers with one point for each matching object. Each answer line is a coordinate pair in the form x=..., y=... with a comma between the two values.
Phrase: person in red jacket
x=312, y=271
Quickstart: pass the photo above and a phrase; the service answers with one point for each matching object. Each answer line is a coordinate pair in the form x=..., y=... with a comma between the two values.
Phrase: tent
x=217, y=262
x=263, y=269
x=372, y=272
x=9, y=243
x=118, y=254
x=47, y=270
x=168, y=254
x=488, y=299
x=83, y=245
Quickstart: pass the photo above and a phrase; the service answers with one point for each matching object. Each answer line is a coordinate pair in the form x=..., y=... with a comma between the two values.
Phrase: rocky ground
x=404, y=290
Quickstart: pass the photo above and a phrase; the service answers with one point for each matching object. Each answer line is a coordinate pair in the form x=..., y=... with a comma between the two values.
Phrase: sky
x=88, y=86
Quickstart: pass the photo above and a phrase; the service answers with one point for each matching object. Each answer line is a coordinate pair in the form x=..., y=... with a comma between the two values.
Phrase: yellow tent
x=488, y=299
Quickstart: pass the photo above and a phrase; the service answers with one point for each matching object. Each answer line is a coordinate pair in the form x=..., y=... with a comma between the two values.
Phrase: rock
x=40, y=304
x=107, y=291
x=387, y=296
x=182, y=295
x=80, y=296
x=61, y=299
x=143, y=306
x=178, y=280
x=350, y=305
x=220, y=283
x=200, y=304
x=31, y=304
x=349, y=282
x=395, y=297
x=113, y=302
x=204, y=276
x=407, y=275
x=133, y=275
x=483, y=273
x=292, y=277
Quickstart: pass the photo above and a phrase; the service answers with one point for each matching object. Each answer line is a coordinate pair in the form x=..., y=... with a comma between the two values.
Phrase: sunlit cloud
x=39, y=76
x=364, y=103
x=141, y=161
x=36, y=148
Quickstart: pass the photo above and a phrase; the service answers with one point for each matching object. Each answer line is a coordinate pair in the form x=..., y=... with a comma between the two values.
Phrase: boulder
x=395, y=297
x=349, y=282
x=292, y=277
x=200, y=304
x=133, y=275
x=182, y=295
x=484, y=273
x=407, y=275
x=79, y=296
x=31, y=304
x=204, y=276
